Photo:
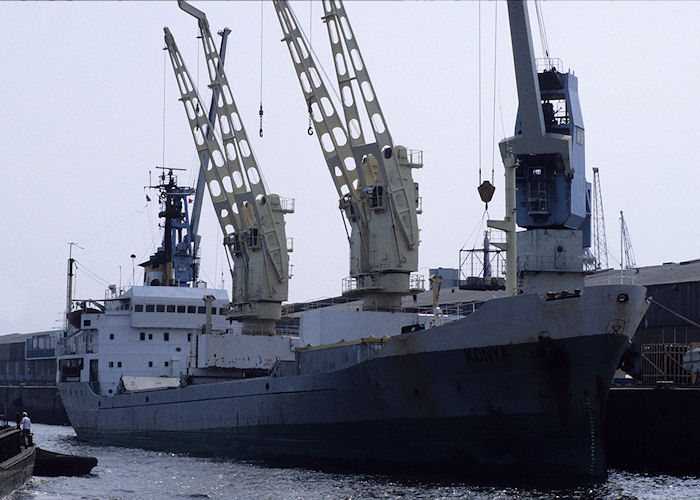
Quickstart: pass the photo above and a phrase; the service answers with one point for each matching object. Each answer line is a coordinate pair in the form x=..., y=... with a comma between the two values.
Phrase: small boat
x=51, y=463
x=16, y=460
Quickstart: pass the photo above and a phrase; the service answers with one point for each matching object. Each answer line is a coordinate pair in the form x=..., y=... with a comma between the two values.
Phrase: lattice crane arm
x=201, y=178
x=230, y=219
x=246, y=177
x=400, y=189
x=330, y=131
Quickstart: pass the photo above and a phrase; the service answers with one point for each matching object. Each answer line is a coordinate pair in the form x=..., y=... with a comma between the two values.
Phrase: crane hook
x=310, y=130
x=261, y=117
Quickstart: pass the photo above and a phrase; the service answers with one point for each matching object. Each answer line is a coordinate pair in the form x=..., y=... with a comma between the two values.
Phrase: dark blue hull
x=498, y=425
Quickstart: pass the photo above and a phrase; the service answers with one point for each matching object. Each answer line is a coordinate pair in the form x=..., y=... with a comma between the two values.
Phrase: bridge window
x=181, y=309
x=142, y=335
x=160, y=308
x=150, y=308
x=537, y=191
x=138, y=308
x=150, y=364
x=537, y=198
x=201, y=310
x=166, y=336
x=171, y=308
x=192, y=309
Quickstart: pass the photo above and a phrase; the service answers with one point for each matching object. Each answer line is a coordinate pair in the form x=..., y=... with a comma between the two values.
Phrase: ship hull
x=446, y=399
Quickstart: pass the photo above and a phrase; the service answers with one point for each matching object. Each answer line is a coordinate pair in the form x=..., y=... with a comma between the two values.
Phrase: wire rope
x=493, y=118
x=164, y=87
x=479, y=85
x=316, y=59
x=260, y=112
x=543, y=31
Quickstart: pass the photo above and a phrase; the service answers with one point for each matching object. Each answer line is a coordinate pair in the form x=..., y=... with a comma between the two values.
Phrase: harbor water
x=126, y=473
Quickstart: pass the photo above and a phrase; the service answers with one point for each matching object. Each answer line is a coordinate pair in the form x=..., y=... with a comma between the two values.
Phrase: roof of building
x=668, y=272
x=12, y=338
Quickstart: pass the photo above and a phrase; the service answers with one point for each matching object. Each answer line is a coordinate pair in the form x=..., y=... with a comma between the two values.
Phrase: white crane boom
x=373, y=179
x=252, y=220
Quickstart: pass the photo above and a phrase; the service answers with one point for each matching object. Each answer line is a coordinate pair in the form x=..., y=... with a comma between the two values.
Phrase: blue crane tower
x=552, y=198
x=173, y=264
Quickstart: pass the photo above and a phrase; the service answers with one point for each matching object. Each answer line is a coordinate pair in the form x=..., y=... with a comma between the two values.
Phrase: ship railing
x=549, y=63
x=456, y=309
x=416, y=283
x=287, y=205
x=412, y=157
x=288, y=309
x=287, y=330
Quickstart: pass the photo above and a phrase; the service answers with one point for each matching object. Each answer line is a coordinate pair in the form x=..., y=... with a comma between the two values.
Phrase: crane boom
x=373, y=179
x=238, y=150
x=201, y=178
x=251, y=220
x=527, y=80
x=345, y=48
x=553, y=199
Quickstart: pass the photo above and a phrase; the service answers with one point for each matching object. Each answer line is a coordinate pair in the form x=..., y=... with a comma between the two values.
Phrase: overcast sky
x=83, y=91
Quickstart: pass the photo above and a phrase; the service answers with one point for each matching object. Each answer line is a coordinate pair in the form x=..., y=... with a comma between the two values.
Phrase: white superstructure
x=145, y=332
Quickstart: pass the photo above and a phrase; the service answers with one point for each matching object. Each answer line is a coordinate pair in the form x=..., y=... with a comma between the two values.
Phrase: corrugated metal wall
x=660, y=326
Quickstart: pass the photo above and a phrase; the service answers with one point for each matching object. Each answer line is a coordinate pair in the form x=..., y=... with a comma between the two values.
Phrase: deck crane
x=251, y=219
x=373, y=177
x=552, y=197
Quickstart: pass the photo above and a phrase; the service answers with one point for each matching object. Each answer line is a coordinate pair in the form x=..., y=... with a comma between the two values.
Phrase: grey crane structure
x=627, y=260
x=201, y=178
x=252, y=220
x=548, y=191
x=373, y=178
x=600, y=242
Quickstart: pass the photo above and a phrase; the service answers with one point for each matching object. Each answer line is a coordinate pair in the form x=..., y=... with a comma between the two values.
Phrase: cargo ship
x=517, y=387
x=514, y=387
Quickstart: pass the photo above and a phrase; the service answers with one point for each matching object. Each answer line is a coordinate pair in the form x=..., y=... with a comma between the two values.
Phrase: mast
x=173, y=264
